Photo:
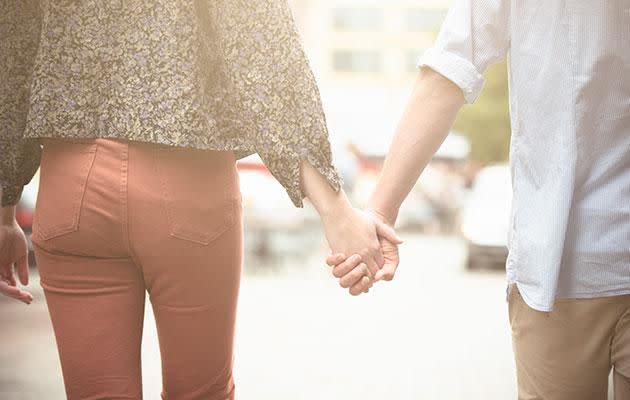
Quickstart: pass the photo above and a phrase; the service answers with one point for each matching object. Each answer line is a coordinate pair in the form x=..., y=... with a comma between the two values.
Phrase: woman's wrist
x=7, y=215
x=336, y=207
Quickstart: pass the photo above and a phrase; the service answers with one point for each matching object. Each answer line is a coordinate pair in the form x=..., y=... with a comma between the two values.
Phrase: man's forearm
x=425, y=124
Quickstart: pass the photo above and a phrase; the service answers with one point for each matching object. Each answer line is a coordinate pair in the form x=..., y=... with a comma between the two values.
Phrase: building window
x=358, y=19
x=424, y=19
x=363, y=61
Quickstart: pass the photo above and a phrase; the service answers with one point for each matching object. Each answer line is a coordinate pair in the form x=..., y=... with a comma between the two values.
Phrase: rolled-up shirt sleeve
x=474, y=35
x=20, y=23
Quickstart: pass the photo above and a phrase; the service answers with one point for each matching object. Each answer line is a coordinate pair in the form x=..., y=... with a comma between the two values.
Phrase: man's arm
x=426, y=122
x=475, y=34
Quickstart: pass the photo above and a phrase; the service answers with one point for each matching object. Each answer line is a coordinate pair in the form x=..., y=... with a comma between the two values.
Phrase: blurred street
x=435, y=332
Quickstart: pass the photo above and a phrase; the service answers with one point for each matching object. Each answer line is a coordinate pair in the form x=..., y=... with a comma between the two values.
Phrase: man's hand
x=351, y=271
x=392, y=259
x=389, y=249
x=13, y=258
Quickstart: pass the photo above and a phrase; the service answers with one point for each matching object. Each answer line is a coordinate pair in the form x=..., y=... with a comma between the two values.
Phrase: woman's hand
x=13, y=254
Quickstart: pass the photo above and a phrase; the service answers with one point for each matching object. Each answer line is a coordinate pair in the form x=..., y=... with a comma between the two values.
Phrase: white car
x=486, y=216
x=274, y=226
x=265, y=201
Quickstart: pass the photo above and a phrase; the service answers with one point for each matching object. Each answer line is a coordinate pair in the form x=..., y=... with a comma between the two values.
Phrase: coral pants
x=115, y=220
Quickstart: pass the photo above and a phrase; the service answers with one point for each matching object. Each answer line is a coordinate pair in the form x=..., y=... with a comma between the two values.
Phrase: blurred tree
x=487, y=122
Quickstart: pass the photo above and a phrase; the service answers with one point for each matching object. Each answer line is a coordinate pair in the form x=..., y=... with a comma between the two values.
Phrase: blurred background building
x=367, y=42
x=364, y=54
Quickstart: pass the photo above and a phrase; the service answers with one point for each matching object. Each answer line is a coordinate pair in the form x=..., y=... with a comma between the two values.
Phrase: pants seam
x=124, y=201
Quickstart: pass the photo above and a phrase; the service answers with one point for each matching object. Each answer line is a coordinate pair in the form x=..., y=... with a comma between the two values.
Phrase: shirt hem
x=576, y=296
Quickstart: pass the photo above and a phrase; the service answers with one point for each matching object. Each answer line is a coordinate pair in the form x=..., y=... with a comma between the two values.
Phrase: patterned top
x=220, y=75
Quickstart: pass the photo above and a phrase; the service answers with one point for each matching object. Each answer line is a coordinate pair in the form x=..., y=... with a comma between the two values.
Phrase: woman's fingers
x=6, y=274
x=334, y=259
x=341, y=265
x=353, y=277
x=363, y=286
x=11, y=280
x=15, y=292
x=348, y=265
x=353, y=274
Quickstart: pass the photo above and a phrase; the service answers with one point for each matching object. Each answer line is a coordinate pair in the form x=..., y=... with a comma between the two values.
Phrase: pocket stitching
x=200, y=237
x=63, y=229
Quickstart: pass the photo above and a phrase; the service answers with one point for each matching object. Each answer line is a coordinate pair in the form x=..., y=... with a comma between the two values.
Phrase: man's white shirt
x=569, y=83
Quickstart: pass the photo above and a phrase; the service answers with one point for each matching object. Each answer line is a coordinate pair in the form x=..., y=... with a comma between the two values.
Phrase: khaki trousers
x=568, y=353
x=116, y=219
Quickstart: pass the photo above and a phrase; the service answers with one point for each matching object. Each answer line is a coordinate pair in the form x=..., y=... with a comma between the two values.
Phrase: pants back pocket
x=64, y=171
x=199, y=190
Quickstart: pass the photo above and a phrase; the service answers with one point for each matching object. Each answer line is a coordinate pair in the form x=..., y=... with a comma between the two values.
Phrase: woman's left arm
x=20, y=25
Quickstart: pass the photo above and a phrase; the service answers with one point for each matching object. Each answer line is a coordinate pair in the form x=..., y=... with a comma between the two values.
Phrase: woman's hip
x=94, y=187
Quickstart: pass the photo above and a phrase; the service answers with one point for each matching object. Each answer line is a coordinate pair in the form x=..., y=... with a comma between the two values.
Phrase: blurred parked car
x=265, y=201
x=273, y=224
x=416, y=212
x=485, y=217
x=25, y=212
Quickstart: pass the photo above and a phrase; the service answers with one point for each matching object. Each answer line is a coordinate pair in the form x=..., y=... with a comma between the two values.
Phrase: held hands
x=376, y=258
x=13, y=252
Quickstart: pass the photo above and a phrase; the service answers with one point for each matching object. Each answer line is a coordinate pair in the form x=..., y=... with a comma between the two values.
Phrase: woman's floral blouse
x=207, y=74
